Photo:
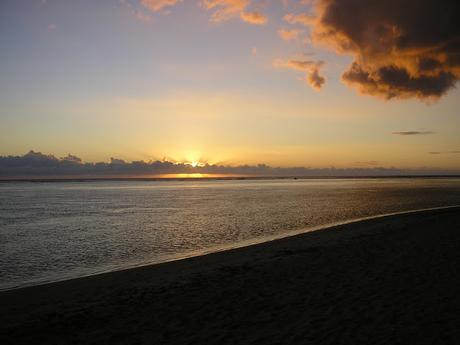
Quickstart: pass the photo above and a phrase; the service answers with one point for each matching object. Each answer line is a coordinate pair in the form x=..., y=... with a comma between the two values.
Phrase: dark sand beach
x=391, y=280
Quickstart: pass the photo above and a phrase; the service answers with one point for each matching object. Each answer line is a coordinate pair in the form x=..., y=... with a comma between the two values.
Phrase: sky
x=320, y=84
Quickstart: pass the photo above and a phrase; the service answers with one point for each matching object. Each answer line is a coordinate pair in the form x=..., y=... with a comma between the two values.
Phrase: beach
x=388, y=280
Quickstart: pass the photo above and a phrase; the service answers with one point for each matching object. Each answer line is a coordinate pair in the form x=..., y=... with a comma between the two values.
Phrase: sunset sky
x=232, y=81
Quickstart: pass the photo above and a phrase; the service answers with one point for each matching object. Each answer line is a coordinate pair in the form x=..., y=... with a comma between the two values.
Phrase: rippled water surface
x=60, y=230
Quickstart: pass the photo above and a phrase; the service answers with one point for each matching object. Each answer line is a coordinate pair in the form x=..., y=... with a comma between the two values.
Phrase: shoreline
x=243, y=244
x=222, y=178
x=392, y=279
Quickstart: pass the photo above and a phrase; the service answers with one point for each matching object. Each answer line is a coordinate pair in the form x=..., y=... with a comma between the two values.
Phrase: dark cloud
x=71, y=158
x=394, y=82
x=315, y=79
x=413, y=133
x=443, y=152
x=35, y=165
x=401, y=49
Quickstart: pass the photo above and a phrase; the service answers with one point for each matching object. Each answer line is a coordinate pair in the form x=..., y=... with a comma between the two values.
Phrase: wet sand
x=391, y=280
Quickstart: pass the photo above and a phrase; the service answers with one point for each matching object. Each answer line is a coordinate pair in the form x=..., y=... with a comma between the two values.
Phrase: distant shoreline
x=239, y=178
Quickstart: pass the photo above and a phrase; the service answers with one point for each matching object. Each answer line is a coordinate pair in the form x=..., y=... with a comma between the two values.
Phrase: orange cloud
x=227, y=9
x=256, y=18
x=311, y=69
x=157, y=5
x=304, y=19
x=222, y=9
x=289, y=34
x=409, y=51
x=315, y=80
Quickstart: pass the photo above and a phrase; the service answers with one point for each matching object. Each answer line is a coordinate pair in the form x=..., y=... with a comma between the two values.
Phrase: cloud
x=36, y=165
x=256, y=18
x=158, y=5
x=310, y=67
x=396, y=82
x=142, y=16
x=413, y=133
x=315, y=80
x=225, y=9
x=52, y=27
x=303, y=18
x=443, y=152
x=222, y=10
x=289, y=34
x=71, y=158
x=367, y=163
x=136, y=13
x=409, y=50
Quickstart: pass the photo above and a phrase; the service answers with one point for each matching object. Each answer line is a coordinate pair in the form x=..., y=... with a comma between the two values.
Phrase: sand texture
x=393, y=280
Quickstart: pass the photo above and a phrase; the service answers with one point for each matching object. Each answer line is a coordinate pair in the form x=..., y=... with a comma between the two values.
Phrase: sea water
x=51, y=231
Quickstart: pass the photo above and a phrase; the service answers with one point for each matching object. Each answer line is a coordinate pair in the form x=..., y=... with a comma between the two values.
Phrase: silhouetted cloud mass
x=413, y=133
x=38, y=165
x=401, y=49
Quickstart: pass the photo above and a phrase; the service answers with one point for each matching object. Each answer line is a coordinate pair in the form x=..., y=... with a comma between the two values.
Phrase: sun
x=195, y=164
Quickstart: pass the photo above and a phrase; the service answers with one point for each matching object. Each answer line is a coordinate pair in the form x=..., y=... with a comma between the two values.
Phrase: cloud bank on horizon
x=36, y=165
x=400, y=50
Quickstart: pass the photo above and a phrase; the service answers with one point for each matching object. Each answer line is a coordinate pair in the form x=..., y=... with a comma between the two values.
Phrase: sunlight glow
x=194, y=176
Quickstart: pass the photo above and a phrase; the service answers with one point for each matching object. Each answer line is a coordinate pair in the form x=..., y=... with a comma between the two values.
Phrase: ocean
x=51, y=231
